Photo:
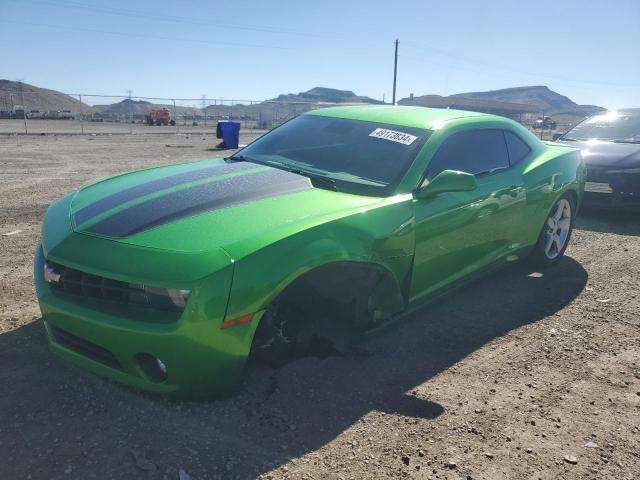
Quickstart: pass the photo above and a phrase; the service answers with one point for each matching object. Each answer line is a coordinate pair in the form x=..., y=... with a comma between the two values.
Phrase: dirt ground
x=525, y=375
x=76, y=127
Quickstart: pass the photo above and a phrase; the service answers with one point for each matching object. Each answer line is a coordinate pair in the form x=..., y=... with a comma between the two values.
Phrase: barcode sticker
x=393, y=136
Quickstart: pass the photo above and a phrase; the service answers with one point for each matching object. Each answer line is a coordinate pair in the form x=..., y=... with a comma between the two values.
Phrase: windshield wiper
x=240, y=158
x=315, y=177
x=330, y=182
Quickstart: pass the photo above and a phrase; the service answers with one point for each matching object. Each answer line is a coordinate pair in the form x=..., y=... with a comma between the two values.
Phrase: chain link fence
x=35, y=113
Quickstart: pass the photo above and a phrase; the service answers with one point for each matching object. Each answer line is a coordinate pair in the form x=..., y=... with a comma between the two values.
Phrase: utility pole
x=24, y=107
x=129, y=92
x=204, y=108
x=81, y=116
x=175, y=117
x=395, y=72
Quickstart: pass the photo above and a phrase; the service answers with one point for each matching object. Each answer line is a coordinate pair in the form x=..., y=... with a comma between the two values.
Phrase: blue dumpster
x=229, y=132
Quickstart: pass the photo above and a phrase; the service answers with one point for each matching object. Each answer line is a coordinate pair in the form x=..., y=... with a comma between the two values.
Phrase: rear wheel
x=556, y=232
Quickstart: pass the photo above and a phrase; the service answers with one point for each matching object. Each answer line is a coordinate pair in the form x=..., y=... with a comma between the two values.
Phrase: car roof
x=418, y=117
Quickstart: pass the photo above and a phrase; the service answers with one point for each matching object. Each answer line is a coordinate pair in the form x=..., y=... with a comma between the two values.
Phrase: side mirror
x=556, y=136
x=448, y=181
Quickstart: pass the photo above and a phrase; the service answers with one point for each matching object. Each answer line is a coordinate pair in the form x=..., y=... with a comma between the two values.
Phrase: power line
x=144, y=35
x=173, y=18
x=502, y=67
x=277, y=30
x=514, y=75
x=523, y=73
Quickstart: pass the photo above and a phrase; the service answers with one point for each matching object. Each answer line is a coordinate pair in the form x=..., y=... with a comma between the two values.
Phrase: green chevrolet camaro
x=169, y=279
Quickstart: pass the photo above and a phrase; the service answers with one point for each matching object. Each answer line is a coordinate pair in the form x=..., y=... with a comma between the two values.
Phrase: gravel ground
x=528, y=375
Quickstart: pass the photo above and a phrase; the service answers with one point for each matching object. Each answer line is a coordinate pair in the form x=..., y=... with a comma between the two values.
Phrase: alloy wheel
x=557, y=229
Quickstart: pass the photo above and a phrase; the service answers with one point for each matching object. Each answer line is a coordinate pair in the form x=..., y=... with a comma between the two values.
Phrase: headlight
x=164, y=298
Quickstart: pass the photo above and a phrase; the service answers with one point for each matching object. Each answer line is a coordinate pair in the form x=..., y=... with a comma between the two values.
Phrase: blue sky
x=587, y=50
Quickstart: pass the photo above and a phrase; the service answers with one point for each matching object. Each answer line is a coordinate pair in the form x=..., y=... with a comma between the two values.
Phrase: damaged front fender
x=378, y=240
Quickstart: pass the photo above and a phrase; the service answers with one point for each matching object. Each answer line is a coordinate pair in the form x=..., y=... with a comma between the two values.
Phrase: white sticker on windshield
x=393, y=136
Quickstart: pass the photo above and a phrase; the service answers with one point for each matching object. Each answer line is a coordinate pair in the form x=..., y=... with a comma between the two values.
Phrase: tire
x=276, y=340
x=290, y=331
x=555, y=233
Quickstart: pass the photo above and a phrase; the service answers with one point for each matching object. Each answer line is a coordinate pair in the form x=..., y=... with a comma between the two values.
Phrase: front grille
x=75, y=282
x=84, y=347
x=85, y=286
x=597, y=187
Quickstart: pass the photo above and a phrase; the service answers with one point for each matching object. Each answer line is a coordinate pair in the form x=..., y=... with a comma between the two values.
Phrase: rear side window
x=473, y=151
x=518, y=149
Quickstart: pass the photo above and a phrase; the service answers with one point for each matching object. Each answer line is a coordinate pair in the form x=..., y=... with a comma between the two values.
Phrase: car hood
x=601, y=154
x=237, y=207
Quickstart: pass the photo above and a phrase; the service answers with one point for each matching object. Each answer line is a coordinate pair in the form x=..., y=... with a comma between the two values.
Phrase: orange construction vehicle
x=160, y=116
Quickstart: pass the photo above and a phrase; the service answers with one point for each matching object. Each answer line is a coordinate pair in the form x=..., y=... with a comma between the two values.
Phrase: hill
x=539, y=95
x=323, y=94
x=288, y=105
x=139, y=108
x=473, y=104
x=36, y=98
x=508, y=101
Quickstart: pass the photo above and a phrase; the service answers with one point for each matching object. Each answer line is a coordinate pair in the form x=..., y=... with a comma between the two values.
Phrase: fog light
x=153, y=367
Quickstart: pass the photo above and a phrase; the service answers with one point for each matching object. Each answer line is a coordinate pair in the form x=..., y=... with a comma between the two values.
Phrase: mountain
x=36, y=98
x=474, y=104
x=323, y=94
x=515, y=100
x=541, y=96
x=286, y=106
x=139, y=108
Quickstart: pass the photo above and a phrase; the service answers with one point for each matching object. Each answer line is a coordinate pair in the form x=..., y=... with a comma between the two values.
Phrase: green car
x=169, y=279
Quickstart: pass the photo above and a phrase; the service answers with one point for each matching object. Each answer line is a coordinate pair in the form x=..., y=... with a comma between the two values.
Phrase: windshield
x=353, y=156
x=612, y=126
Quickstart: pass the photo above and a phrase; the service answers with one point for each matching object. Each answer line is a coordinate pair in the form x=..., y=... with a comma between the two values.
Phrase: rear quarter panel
x=554, y=171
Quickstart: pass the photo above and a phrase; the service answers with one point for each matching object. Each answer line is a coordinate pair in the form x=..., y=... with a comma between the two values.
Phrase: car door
x=458, y=233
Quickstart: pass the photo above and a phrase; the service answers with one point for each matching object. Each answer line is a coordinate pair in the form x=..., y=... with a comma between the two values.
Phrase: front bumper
x=607, y=188
x=202, y=360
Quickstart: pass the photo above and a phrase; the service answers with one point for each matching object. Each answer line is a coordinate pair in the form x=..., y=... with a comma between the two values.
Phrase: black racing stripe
x=107, y=203
x=199, y=199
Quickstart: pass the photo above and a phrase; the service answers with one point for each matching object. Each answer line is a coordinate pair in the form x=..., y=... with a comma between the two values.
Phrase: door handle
x=512, y=191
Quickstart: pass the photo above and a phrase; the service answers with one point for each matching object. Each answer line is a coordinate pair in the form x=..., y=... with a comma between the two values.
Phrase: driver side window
x=471, y=151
